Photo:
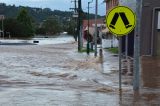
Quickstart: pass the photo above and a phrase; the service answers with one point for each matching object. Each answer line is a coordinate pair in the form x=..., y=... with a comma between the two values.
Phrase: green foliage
x=40, y=31
x=15, y=28
x=25, y=15
x=20, y=27
x=71, y=27
x=50, y=26
x=38, y=14
x=113, y=50
x=24, y=19
x=84, y=50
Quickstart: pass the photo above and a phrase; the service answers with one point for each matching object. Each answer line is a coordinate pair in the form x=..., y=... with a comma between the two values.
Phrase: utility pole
x=79, y=21
x=137, y=47
x=75, y=5
x=75, y=16
x=79, y=24
x=88, y=49
x=95, y=39
x=88, y=31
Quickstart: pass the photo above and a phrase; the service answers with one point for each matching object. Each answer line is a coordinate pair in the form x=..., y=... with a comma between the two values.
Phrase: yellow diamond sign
x=121, y=20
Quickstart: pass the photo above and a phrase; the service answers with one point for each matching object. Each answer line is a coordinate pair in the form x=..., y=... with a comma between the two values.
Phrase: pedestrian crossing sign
x=121, y=20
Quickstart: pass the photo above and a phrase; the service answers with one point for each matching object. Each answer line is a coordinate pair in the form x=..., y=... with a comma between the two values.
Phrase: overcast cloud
x=56, y=4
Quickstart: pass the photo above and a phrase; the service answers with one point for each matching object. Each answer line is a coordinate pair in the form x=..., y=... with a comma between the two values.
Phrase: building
x=150, y=28
x=100, y=22
x=150, y=25
x=92, y=23
x=110, y=4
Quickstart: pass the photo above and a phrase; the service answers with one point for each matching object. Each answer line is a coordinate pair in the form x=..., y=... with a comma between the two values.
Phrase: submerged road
x=57, y=75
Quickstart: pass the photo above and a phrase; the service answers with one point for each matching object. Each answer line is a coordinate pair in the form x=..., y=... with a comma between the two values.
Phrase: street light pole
x=88, y=30
x=95, y=39
x=79, y=24
x=137, y=47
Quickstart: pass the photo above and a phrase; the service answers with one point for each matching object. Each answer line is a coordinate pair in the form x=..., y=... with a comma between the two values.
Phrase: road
x=57, y=75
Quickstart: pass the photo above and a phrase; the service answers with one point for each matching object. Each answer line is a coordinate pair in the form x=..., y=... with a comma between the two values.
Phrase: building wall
x=146, y=22
x=130, y=3
x=146, y=25
x=110, y=4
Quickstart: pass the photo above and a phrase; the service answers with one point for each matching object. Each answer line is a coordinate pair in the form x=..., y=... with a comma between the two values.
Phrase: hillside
x=37, y=14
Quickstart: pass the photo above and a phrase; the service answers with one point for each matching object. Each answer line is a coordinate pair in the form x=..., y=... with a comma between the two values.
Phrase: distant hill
x=38, y=14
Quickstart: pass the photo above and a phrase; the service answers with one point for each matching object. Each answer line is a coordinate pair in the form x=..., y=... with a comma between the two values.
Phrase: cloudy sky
x=57, y=4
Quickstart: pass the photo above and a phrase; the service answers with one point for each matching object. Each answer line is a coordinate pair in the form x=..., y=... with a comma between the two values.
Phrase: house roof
x=92, y=22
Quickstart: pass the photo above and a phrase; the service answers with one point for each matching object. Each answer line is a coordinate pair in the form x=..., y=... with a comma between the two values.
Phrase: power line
x=75, y=5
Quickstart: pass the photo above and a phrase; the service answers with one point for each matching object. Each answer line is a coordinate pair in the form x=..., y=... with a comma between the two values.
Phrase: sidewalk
x=149, y=92
x=151, y=72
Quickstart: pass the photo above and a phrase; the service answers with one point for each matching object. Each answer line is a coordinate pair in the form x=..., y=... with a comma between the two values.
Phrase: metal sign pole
x=88, y=49
x=116, y=28
x=126, y=49
x=137, y=47
x=95, y=40
x=120, y=63
x=79, y=24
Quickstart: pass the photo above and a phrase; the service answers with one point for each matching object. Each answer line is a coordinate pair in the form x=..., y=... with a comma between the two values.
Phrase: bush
x=17, y=29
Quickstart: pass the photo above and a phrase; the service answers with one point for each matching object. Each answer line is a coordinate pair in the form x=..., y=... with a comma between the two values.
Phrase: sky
x=58, y=4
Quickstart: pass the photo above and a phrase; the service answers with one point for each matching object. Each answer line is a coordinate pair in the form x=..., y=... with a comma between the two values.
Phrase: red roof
x=91, y=22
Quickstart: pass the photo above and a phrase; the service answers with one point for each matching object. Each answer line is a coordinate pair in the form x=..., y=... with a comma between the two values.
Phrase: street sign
x=1, y=17
x=121, y=20
x=75, y=16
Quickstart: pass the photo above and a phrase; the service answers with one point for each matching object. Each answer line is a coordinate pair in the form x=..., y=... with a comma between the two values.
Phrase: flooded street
x=50, y=75
x=79, y=53
x=55, y=74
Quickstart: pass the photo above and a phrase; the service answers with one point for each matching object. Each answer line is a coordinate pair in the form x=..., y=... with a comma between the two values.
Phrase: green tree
x=52, y=26
x=24, y=18
x=71, y=27
x=15, y=28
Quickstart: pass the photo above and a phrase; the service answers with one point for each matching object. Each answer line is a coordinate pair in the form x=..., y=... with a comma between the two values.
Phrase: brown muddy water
x=57, y=75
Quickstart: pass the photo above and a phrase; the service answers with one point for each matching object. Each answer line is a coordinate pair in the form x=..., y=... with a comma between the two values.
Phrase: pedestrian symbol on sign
x=123, y=17
x=121, y=20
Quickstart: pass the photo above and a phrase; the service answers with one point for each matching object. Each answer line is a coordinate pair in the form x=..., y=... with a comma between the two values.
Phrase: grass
x=113, y=50
x=83, y=50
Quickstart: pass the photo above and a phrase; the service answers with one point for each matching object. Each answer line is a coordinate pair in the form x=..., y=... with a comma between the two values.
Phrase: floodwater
x=55, y=74
x=42, y=41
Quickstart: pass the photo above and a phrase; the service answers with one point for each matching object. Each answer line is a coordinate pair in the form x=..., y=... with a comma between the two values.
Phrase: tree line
x=24, y=26
x=25, y=22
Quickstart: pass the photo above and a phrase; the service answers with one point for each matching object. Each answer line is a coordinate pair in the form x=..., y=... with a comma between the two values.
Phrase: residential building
x=91, y=27
x=110, y=4
x=100, y=22
x=150, y=25
x=150, y=28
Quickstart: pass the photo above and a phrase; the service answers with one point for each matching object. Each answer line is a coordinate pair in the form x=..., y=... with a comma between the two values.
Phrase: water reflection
x=41, y=41
x=136, y=98
x=120, y=97
x=151, y=72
